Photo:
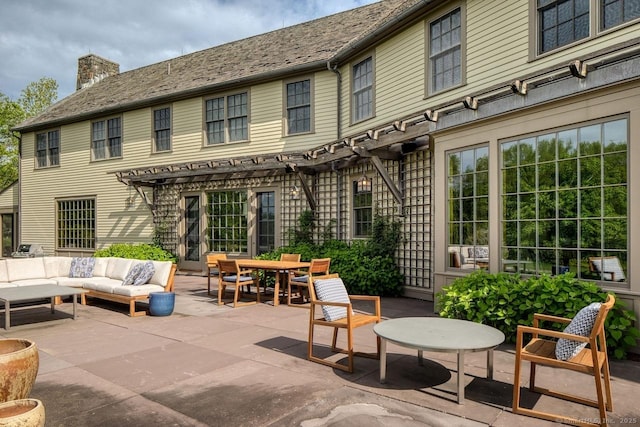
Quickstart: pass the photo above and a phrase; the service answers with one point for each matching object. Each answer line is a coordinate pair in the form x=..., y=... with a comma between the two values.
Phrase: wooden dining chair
x=581, y=347
x=331, y=307
x=212, y=268
x=230, y=274
x=300, y=279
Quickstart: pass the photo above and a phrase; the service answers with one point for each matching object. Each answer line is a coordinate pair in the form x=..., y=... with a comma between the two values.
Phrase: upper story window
x=445, y=51
x=298, y=96
x=48, y=149
x=363, y=90
x=106, y=139
x=561, y=22
x=362, y=207
x=468, y=208
x=162, y=129
x=616, y=12
x=227, y=124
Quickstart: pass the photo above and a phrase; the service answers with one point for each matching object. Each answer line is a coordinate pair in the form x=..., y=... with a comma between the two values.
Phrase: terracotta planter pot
x=22, y=413
x=19, y=362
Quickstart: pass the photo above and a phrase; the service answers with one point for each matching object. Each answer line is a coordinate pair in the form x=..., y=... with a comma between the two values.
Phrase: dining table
x=279, y=267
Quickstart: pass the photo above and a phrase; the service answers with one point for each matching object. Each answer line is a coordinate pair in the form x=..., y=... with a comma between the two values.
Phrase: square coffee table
x=36, y=292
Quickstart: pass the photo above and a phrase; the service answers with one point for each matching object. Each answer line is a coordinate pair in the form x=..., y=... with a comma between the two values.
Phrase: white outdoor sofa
x=104, y=281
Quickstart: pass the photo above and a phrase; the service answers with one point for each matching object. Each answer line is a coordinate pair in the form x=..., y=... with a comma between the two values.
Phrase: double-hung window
x=227, y=119
x=617, y=12
x=561, y=22
x=468, y=207
x=162, y=129
x=48, y=149
x=445, y=51
x=363, y=90
x=564, y=201
x=362, y=207
x=76, y=224
x=298, y=96
x=106, y=139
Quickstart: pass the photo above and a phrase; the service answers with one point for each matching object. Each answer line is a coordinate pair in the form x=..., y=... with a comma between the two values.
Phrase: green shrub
x=505, y=301
x=141, y=251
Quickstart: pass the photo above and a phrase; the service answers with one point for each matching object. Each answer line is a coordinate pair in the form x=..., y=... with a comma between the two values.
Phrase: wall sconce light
x=294, y=193
x=363, y=185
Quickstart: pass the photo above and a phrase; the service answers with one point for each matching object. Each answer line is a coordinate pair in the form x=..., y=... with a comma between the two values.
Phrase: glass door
x=8, y=243
x=191, y=243
x=266, y=222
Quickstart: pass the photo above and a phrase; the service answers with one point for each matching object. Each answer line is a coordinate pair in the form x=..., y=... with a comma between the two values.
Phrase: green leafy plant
x=141, y=251
x=505, y=301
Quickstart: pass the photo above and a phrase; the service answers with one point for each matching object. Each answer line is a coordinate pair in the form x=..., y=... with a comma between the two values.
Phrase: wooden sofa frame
x=131, y=300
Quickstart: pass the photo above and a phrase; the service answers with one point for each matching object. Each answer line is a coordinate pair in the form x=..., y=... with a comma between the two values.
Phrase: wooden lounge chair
x=231, y=275
x=329, y=297
x=585, y=351
x=212, y=268
x=300, y=279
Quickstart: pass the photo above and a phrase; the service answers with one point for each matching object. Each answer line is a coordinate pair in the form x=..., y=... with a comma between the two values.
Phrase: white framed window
x=298, y=96
x=106, y=139
x=226, y=119
x=162, y=129
x=446, y=51
x=48, y=149
x=362, y=83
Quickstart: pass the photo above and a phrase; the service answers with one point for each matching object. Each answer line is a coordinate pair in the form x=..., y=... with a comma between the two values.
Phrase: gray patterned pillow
x=82, y=267
x=132, y=274
x=332, y=290
x=581, y=324
x=146, y=273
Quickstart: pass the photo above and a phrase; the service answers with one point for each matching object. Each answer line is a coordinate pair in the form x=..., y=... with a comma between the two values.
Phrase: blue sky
x=45, y=38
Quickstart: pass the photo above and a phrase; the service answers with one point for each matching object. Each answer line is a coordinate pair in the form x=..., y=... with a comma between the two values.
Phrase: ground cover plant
x=143, y=251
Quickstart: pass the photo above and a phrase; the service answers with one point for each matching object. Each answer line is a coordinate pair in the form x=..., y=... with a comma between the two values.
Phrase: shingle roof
x=304, y=46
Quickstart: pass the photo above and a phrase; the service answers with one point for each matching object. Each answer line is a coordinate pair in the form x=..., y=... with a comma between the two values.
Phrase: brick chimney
x=92, y=69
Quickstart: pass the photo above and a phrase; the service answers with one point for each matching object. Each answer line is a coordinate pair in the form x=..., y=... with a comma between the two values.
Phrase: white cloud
x=44, y=38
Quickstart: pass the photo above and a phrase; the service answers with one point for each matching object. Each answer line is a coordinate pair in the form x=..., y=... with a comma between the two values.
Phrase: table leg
x=460, y=377
x=7, y=316
x=383, y=360
x=490, y=364
x=276, y=290
x=75, y=305
x=420, y=358
x=53, y=305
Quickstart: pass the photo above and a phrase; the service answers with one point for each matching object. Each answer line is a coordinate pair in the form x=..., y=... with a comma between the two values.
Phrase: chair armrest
x=245, y=272
x=550, y=333
x=374, y=298
x=332, y=303
x=537, y=317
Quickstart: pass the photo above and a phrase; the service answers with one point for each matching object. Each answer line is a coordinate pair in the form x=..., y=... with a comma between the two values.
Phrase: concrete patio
x=207, y=365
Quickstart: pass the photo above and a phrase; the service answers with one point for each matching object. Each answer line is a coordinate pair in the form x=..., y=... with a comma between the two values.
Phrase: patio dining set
x=581, y=347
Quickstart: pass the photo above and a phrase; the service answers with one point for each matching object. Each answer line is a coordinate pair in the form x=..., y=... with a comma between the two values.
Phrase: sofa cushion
x=100, y=269
x=146, y=273
x=118, y=268
x=581, y=324
x=4, y=276
x=161, y=275
x=25, y=268
x=102, y=287
x=72, y=282
x=32, y=282
x=133, y=273
x=82, y=267
x=133, y=290
x=7, y=285
x=56, y=266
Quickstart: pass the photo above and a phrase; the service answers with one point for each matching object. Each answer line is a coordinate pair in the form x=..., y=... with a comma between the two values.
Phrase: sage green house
x=500, y=133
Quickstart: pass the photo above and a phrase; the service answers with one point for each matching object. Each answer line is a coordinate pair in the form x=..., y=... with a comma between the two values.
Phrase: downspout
x=335, y=69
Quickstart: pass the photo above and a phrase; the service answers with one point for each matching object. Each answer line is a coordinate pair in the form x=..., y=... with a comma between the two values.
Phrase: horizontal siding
x=9, y=198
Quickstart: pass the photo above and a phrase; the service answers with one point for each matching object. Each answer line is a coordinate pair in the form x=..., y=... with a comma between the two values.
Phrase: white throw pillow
x=332, y=290
x=581, y=324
